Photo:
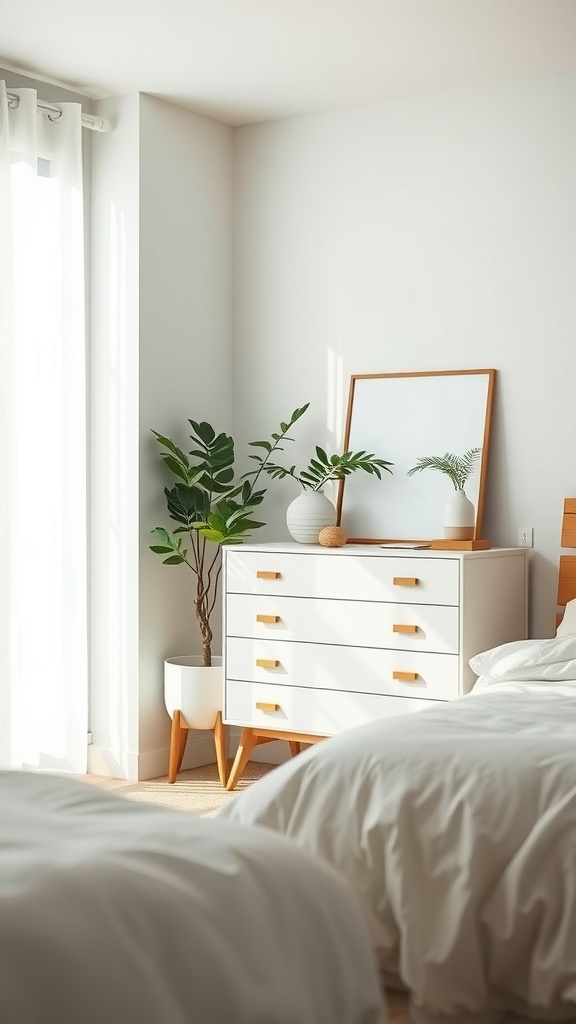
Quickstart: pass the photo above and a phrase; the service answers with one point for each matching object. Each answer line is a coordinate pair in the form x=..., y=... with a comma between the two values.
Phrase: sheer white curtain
x=43, y=613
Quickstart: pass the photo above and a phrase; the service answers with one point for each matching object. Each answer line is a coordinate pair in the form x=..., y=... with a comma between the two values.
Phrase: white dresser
x=318, y=640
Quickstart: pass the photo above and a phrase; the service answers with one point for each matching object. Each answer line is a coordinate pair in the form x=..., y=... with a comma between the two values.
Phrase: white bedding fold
x=552, y=660
x=456, y=827
x=117, y=912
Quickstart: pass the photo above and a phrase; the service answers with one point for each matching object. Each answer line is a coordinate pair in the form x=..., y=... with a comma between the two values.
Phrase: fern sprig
x=458, y=468
x=324, y=468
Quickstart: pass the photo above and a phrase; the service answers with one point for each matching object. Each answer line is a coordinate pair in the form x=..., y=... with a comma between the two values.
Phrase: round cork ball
x=332, y=537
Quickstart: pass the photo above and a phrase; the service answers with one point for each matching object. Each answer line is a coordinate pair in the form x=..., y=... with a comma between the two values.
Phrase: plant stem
x=264, y=461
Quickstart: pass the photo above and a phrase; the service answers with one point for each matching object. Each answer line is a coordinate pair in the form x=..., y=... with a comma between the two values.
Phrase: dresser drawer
x=347, y=577
x=298, y=709
x=363, y=623
x=357, y=669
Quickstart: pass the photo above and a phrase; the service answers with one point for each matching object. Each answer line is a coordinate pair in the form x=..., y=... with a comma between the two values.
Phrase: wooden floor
x=398, y=1008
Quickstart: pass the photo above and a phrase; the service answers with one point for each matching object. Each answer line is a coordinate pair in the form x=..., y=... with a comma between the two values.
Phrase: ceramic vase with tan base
x=459, y=517
x=193, y=699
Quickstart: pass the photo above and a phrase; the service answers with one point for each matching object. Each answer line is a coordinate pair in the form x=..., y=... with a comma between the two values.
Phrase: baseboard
x=113, y=764
x=149, y=764
x=199, y=750
x=153, y=764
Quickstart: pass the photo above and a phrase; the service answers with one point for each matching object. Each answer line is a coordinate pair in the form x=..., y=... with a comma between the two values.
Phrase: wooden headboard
x=567, y=569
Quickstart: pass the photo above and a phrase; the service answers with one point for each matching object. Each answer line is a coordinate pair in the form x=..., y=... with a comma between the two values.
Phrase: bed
x=117, y=912
x=456, y=828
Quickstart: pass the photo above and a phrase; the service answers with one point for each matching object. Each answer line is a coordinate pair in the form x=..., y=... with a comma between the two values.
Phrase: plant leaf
x=203, y=430
x=260, y=444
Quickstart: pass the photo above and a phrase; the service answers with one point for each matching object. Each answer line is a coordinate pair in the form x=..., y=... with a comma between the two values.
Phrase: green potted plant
x=459, y=514
x=211, y=507
x=311, y=511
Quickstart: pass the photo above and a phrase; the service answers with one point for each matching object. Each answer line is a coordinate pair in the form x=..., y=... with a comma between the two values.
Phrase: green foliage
x=324, y=468
x=211, y=507
x=457, y=467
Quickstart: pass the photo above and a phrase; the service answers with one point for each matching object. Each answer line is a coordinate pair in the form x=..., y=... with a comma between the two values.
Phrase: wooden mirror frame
x=402, y=417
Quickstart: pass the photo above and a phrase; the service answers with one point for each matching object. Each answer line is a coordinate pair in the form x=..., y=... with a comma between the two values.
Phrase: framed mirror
x=403, y=417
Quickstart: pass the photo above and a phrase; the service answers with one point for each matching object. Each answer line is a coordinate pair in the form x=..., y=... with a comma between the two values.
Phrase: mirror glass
x=402, y=417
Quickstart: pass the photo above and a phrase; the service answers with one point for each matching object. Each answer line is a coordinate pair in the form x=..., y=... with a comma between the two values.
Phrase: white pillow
x=568, y=625
x=547, y=660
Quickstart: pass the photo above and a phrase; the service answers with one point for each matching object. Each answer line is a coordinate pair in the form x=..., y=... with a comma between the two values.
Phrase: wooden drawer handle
x=263, y=574
x=405, y=581
x=262, y=706
x=405, y=677
x=400, y=628
x=267, y=663
x=267, y=618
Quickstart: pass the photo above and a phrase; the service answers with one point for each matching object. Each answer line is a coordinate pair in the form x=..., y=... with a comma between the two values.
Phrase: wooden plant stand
x=178, y=737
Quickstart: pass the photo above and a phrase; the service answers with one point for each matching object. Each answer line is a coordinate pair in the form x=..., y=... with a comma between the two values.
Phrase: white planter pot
x=309, y=513
x=194, y=690
x=459, y=518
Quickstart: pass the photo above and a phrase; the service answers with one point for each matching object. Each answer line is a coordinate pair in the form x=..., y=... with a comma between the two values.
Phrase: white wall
x=432, y=233
x=185, y=355
x=161, y=346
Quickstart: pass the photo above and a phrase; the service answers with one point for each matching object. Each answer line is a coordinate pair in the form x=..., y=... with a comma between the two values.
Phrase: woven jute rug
x=196, y=791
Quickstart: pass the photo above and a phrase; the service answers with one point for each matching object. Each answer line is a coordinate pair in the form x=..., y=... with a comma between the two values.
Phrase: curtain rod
x=95, y=124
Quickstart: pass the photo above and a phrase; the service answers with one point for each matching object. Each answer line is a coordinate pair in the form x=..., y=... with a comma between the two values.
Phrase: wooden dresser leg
x=294, y=747
x=245, y=747
x=221, y=744
x=178, y=737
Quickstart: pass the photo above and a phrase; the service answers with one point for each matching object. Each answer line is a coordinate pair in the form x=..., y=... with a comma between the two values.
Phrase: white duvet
x=456, y=827
x=113, y=912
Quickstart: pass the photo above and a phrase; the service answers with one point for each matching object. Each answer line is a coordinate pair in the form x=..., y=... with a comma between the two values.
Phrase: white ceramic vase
x=459, y=518
x=309, y=513
x=194, y=690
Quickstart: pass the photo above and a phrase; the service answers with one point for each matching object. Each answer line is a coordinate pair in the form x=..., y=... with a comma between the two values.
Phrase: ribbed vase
x=459, y=518
x=309, y=513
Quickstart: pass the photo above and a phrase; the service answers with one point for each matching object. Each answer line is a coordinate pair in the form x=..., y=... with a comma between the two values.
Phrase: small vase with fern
x=459, y=512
